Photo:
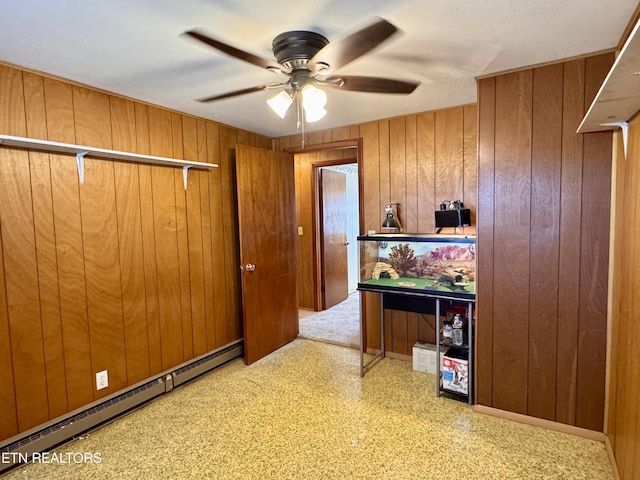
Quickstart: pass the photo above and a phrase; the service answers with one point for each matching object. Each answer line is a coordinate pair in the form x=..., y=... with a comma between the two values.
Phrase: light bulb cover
x=280, y=103
x=313, y=115
x=313, y=97
x=313, y=102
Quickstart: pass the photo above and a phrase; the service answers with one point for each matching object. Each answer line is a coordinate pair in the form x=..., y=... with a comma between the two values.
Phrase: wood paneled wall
x=416, y=160
x=624, y=386
x=543, y=230
x=128, y=272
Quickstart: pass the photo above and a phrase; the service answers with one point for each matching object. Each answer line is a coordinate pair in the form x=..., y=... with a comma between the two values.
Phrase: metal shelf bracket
x=624, y=126
x=185, y=169
x=80, y=163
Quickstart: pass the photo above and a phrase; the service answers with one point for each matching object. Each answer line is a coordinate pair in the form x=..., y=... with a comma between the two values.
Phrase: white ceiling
x=134, y=48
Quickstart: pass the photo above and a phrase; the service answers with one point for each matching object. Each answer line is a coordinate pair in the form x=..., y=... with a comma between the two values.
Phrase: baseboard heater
x=21, y=447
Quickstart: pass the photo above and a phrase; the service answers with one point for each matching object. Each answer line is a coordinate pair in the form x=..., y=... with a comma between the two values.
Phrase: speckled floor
x=305, y=413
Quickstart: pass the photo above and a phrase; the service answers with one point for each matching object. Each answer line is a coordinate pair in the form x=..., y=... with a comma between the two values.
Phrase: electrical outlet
x=102, y=380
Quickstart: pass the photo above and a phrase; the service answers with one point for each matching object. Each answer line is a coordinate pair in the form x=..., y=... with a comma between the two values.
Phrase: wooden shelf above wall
x=80, y=151
x=619, y=96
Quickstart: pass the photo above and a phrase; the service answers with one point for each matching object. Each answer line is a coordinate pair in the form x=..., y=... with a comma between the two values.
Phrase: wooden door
x=335, y=276
x=266, y=217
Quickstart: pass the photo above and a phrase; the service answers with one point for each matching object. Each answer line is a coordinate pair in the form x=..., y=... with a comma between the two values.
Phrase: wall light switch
x=102, y=380
x=300, y=231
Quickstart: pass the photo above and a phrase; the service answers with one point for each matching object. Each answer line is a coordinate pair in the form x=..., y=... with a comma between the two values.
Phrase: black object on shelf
x=453, y=218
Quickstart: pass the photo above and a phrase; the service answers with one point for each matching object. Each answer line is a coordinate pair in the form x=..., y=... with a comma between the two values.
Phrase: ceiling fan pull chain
x=301, y=120
x=300, y=125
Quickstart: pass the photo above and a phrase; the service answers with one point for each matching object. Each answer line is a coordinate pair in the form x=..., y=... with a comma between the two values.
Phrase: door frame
x=317, y=175
x=356, y=145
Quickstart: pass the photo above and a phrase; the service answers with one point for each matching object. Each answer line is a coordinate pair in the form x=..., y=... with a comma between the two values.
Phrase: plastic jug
x=457, y=335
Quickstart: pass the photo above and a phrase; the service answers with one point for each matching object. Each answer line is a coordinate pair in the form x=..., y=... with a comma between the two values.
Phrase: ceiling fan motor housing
x=294, y=49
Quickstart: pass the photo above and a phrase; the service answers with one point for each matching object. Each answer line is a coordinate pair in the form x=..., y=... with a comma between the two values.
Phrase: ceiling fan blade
x=236, y=52
x=338, y=53
x=236, y=93
x=371, y=84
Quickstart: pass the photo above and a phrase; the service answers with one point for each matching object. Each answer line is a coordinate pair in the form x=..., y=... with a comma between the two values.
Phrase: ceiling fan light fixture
x=314, y=114
x=280, y=103
x=313, y=102
x=313, y=97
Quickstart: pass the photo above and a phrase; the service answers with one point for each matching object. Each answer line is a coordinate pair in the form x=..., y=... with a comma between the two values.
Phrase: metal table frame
x=379, y=356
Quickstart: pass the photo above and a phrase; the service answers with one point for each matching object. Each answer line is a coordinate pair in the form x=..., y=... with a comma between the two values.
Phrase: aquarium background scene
x=428, y=266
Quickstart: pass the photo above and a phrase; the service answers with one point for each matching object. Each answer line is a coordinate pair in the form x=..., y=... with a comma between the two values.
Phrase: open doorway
x=324, y=314
x=338, y=229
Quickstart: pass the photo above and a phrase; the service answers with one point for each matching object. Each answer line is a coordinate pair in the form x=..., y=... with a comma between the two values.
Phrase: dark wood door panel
x=334, y=237
x=266, y=215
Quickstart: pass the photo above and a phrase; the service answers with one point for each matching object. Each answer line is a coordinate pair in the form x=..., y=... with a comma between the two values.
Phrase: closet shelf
x=80, y=151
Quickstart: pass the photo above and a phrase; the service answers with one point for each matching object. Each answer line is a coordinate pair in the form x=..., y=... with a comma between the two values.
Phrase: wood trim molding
x=555, y=426
x=627, y=31
x=539, y=422
x=545, y=64
x=398, y=356
x=319, y=297
x=337, y=145
x=316, y=254
x=331, y=163
x=612, y=458
x=611, y=280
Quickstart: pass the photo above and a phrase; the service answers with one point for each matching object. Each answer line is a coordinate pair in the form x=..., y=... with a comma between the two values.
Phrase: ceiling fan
x=309, y=61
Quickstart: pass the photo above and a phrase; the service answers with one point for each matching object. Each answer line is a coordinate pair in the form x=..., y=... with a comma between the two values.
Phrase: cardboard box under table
x=455, y=371
x=424, y=357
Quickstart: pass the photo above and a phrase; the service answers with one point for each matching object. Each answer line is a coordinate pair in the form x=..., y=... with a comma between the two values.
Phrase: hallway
x=338, y=325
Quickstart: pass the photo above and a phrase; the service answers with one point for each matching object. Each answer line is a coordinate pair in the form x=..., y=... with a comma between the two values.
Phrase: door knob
x=249, y=267
x=346, y=243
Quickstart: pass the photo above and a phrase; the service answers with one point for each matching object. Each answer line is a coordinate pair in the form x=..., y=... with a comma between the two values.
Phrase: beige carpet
x=338, y=324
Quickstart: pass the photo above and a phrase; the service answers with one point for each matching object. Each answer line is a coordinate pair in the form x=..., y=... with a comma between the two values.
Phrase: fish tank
x=418, y=264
